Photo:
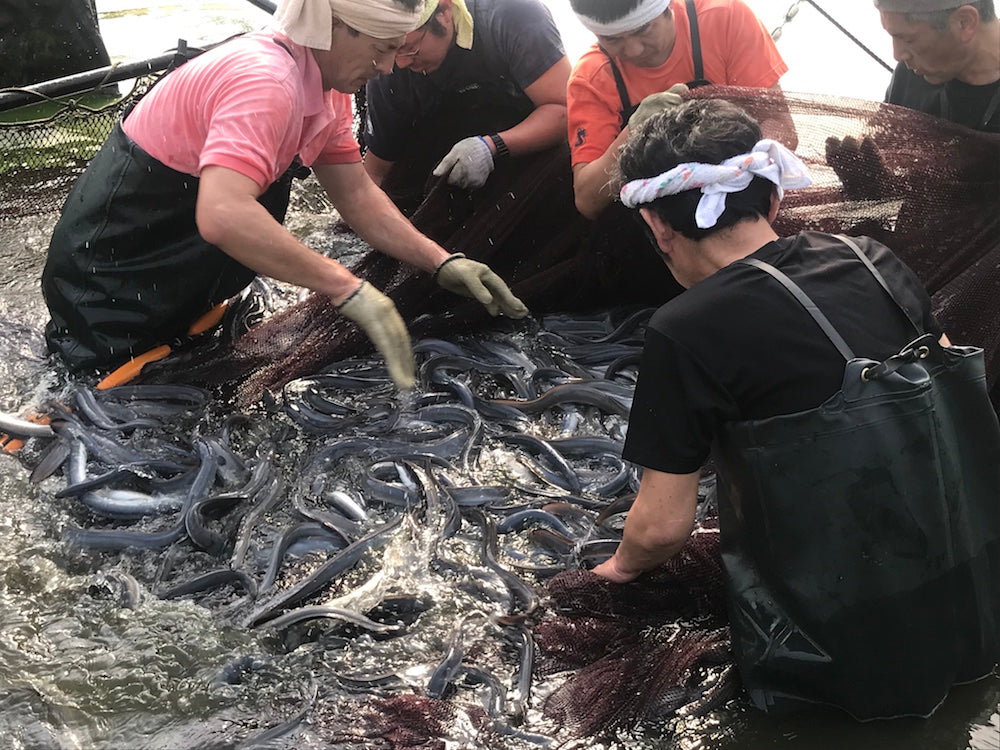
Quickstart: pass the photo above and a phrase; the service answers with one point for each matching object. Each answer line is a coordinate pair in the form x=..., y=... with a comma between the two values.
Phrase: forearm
x=243, y=229
x=648, y=543
x=543, y=128
x=657, y=526
x=370, y=213
x=591, y=181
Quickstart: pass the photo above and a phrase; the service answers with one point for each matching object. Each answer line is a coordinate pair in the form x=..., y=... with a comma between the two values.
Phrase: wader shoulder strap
x=831, y=333
x=284, y=47
x=991, y=108
x=699, y=68
x=879, y=278
x=627, y=107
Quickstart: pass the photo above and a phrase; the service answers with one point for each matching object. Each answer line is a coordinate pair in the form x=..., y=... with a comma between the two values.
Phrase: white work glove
x=470, y=278
x=378, y=318
x=654, y=103
x=468, y=164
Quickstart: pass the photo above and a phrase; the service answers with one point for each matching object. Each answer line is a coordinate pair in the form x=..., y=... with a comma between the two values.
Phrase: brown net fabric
x=649, y=649
x=416, y=722
x=402, y=722
x=924, y=187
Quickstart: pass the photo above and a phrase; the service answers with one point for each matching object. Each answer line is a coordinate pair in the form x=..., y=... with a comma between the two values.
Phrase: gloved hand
x=378, y=318
x=656, y=103
x=470, y=278
x=860, y=168
x=468, y=164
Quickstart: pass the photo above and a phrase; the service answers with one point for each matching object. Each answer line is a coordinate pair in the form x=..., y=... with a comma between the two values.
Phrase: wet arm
x=657, y=526
x=370, y=213
x=591, y=180
x=229, y=217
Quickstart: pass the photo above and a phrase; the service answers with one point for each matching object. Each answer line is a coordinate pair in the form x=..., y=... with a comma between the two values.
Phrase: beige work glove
x=655, y=103
x=470, y=278
x=379, y=319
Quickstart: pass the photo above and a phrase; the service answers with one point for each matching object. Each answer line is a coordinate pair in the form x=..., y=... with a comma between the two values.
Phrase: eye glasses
x=412, y=49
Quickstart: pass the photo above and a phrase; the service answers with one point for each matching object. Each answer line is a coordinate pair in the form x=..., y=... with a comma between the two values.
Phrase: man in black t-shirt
x=949, y=59
x=732, y=347
x=478, y=81
x=844, y=587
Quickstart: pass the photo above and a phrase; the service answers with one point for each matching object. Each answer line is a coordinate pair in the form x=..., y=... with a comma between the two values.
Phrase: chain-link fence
x=44, y=147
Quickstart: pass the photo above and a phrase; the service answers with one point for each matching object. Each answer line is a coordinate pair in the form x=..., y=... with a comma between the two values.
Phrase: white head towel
x=768, y=159
x=310, y=22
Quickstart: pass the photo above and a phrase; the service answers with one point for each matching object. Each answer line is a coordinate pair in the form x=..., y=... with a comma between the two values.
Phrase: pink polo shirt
x=247, y=105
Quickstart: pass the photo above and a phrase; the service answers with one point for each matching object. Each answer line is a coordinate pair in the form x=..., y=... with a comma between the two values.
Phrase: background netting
x=41, y=158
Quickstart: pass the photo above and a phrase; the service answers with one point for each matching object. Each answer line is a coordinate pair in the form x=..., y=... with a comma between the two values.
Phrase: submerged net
x=646, y=650
x=924, y=187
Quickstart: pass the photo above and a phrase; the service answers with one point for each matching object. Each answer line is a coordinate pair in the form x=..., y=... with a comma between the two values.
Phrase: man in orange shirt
x=644, y=47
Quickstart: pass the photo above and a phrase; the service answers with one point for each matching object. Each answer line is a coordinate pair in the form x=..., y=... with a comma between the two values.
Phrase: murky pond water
x=93, y=656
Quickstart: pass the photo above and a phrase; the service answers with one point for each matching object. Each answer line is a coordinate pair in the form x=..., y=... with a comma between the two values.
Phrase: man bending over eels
x=480, y=81
x=183, y=205
x=858, y=473
x=645, y=48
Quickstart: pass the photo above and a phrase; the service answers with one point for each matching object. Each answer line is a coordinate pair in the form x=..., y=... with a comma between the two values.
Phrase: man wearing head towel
x=644, y=47
x=949, y=59
x=183, y=205
x=478, y=82
x=860, y=533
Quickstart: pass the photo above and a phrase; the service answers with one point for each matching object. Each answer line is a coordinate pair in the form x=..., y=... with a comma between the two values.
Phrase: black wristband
x=443, y=263
x=499, y=145
x=352, y=295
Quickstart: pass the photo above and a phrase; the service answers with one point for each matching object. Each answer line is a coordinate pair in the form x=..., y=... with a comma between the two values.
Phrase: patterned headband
x=767, y=159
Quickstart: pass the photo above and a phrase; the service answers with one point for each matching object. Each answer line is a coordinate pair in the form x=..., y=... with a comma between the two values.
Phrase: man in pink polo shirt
x=183, y=205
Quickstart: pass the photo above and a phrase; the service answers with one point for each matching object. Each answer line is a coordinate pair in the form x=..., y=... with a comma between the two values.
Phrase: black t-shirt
x=513, y=43
x=976, y=107
x=738, y=346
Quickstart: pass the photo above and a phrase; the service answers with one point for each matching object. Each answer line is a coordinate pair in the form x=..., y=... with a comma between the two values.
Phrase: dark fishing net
x=926, y=188
x=658, y=647
x=402, y=722
x=650, y=649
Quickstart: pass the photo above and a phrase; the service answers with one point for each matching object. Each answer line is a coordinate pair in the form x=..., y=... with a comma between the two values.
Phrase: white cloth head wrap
x=640, y=15
x=767, y=159
x=310, y=22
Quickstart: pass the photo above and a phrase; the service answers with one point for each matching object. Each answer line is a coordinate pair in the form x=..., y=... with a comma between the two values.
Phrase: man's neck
x=741, y=240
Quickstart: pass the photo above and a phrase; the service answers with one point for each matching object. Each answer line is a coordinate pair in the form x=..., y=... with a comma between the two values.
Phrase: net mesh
x=926, y=188
x=659, y=646
x=42, y=156
x=646, y=650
